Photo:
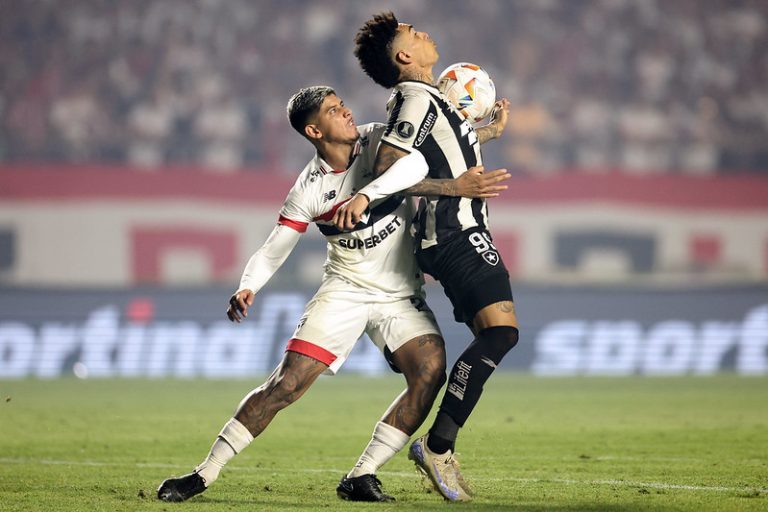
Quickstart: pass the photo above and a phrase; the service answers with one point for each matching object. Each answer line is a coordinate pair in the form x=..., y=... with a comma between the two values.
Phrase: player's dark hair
x=305, y=104
x=373, y=49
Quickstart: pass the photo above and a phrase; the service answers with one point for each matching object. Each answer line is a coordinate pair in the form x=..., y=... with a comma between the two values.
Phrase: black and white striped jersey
x=421, y=117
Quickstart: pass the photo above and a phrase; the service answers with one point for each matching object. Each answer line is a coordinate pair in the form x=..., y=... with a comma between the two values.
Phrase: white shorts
x=333, y=322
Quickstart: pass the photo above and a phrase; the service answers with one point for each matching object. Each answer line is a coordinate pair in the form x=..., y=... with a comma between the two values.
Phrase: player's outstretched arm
x=403, y=173
x=385, y=183
x=260, y=268
x=495, y=127
x=475, y=183
x=386, y=155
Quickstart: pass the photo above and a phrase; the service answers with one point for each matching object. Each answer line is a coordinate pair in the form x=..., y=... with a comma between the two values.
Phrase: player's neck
x=418, y=74
x=336, y=154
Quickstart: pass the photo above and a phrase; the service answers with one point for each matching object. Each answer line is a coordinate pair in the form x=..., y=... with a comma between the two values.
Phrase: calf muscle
x=288, y=382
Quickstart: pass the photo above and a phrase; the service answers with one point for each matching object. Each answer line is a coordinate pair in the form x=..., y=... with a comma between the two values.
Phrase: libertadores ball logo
x=404, y=129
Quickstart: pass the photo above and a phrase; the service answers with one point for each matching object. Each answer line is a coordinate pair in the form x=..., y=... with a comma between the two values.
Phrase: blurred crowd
x=640, y=86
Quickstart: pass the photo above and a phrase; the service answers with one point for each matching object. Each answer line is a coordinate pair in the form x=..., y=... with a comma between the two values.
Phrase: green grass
x=605, y=444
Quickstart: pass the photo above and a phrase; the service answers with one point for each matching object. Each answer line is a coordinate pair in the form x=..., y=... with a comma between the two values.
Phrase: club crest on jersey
x=329, y=195
x=491, y=257
x=404, y=129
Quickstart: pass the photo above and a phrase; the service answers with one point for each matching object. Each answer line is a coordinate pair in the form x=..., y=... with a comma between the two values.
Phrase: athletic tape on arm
x=404, y=173
x=265, y=262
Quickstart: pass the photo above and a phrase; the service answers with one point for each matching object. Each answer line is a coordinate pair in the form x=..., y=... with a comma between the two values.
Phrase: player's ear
x=403, y=57
x=312, y=131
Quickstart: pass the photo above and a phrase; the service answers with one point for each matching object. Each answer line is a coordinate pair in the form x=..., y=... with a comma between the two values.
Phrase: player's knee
x=436, y=369
x=429, y=375
x=435, y=377
x=433, y=374
x=285, y=389
x=499, y=340
x=422, y=364
x=442, y=378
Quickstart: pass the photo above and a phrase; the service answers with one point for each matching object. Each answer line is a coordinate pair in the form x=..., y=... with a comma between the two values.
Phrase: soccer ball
x=469, y=88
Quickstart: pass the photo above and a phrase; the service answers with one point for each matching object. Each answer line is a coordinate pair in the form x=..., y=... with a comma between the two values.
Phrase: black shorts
x=471, y=271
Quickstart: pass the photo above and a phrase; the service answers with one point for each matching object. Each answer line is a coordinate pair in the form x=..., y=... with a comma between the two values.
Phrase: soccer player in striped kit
x=454, y=244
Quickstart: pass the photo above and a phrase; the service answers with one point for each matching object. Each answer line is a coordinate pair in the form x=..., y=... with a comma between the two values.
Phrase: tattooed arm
x=495, y=128
x=474, y=183
x=488, y=132
x=386, y=155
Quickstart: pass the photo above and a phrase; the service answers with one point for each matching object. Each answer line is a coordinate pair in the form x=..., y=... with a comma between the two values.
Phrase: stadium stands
x=642, y=86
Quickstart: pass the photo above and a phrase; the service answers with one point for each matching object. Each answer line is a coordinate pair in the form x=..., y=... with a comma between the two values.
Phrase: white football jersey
x=377, y=255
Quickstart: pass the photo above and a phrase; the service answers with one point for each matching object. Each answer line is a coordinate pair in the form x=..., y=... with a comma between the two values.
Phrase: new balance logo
x=329, y=195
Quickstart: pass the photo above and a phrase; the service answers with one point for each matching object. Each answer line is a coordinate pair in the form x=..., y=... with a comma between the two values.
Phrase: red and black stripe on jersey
x=377, y=213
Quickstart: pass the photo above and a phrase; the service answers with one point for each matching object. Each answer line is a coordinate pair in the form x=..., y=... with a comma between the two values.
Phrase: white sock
x=232, y=439
x=385, y=443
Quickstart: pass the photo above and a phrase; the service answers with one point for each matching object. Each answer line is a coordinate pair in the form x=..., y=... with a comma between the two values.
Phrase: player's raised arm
x=260, y=268
x=495, y=127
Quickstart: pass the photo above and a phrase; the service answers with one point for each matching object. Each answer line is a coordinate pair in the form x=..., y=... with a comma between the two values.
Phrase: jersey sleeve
x=412, y=115
x=265, y=262
x=404, y=173
x=295, y=213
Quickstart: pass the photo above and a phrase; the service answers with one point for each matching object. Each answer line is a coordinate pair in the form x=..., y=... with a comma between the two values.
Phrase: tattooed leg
x=499, y=313
x=288, y=382
x=422, y=361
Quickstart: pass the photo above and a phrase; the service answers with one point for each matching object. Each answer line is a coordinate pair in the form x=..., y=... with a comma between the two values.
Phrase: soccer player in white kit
x=371, y=284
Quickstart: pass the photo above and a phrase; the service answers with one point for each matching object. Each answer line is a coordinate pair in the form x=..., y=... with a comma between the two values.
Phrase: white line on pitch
x=153, y=465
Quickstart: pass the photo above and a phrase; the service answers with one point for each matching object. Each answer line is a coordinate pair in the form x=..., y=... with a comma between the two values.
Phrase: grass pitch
x=560, y=444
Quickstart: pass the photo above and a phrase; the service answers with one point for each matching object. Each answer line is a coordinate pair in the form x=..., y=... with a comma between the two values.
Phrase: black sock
x=442, y=435
x=469, y=374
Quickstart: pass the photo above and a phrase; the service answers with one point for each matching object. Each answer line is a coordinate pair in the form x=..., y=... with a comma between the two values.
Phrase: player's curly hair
x=306, y=103
x=373, y=49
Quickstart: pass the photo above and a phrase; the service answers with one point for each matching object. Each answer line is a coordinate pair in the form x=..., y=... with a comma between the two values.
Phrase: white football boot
x=441, y=469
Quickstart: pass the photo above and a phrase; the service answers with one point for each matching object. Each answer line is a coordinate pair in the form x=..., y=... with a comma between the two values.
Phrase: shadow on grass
x=287, y=503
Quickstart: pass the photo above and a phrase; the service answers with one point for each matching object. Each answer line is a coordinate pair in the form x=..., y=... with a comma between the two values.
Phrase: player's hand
x=476, y=183
x=238, y=305
x=348, y=215
x=499, y=116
